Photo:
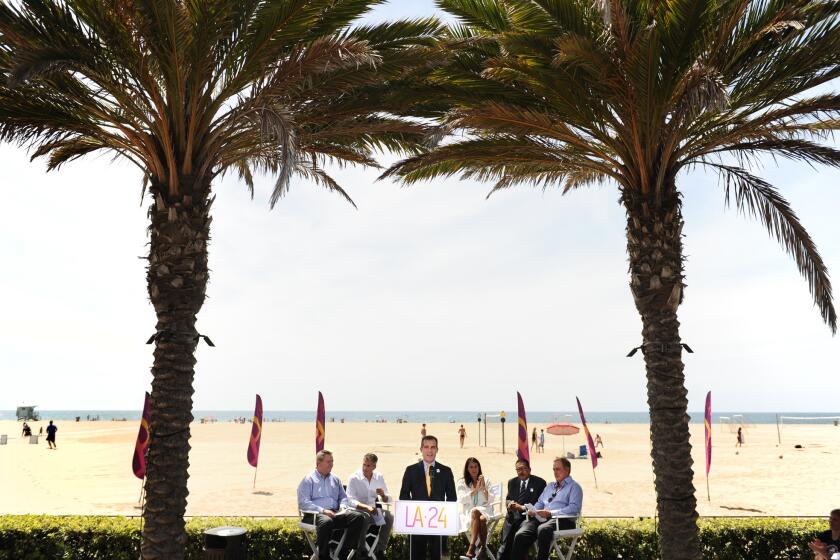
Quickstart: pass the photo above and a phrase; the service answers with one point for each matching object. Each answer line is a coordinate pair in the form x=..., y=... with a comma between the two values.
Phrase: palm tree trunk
x=177, y=279
x=654, y=244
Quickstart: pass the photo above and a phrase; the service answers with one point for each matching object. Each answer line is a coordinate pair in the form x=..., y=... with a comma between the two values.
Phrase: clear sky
x=428, y=297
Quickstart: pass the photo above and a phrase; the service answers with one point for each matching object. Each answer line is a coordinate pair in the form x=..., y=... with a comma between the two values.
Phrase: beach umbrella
x=563, y=429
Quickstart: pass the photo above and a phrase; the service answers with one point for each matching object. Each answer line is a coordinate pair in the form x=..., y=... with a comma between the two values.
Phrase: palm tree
x=188, y=90
x=573, y=93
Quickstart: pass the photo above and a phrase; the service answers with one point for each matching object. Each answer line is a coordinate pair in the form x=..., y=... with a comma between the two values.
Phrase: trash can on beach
x=224, y=543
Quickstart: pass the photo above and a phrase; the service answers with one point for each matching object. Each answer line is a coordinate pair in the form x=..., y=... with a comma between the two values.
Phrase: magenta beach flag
x=256, y=434
x=320, y=429
x=708, y=422
x=522, y=440
x=138, y=463
x=589, y=442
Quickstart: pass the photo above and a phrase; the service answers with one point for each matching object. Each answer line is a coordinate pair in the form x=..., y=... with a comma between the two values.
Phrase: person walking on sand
x=423, y=431
x=598, y=441
x=740, y=438
x=534, y=439
x=541, y=446
x=462, y=435
x=51, y=430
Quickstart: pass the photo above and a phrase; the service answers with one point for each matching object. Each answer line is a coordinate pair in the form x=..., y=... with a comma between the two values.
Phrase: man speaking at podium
x=431, y=481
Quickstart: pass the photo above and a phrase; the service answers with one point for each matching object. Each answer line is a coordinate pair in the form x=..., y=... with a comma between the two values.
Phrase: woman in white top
x=474, y=497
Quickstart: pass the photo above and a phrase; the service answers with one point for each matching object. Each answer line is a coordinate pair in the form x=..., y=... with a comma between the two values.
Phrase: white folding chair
x=310, y=533
x=496, y=514
x=373, y=533
x=565, y=540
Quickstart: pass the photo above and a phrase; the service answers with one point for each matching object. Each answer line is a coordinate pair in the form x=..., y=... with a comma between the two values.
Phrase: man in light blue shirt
x=563, y=497
x=322, y=494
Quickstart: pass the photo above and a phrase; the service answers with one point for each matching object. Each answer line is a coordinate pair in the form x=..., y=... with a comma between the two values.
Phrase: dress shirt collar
x=563, y=483
x=319, y=476
x=427, y=465
x=360, y=474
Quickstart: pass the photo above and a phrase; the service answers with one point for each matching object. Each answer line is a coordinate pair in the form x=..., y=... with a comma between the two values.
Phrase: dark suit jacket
x=536, y=485
x=414, y=484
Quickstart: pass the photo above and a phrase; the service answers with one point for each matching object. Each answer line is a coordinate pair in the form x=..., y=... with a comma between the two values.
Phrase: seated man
x=321, y=492
x=827, y=543
x=563, y=496
x=523, y=489
x=364, y=487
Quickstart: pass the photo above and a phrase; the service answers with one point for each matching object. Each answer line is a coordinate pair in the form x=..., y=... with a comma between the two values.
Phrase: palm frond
x=757, y=198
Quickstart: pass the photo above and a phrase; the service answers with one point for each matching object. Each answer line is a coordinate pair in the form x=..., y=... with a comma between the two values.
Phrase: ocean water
x=456, y=416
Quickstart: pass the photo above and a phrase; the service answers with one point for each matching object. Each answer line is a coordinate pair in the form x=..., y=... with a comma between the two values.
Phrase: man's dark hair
x=372, y=458
x=523, y=462
x=424, y=438
x=834, y=512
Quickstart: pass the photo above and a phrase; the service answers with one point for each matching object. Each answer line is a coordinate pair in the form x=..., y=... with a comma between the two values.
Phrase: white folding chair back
x=565, y=540
x=310, y=533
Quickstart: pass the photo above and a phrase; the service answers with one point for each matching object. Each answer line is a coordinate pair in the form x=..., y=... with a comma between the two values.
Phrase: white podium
x=426, y=518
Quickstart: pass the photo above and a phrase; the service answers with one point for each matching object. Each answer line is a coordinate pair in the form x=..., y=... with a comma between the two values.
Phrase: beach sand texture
x=90, y=472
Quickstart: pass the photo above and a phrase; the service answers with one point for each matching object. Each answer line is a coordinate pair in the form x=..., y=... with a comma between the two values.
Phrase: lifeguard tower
x=27, y=413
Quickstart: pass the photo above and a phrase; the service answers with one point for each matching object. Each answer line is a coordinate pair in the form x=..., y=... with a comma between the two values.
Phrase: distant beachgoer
x=423, y=431
x=41, y=431
x=541, y=447
x=598, y=441
x=740, y=438
x=51, y=430
x=534, y=439
x=827, y=543
x=25, y=431
x=462, y=435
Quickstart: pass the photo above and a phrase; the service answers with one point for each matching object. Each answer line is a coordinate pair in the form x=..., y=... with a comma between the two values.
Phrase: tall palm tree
x=573, y=93
x=188, y=90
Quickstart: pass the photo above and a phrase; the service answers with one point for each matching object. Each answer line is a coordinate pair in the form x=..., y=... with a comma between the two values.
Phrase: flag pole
x=142, y=491
x=142, y=503
x=595, y=477
x=708, y=495
x=255, y=477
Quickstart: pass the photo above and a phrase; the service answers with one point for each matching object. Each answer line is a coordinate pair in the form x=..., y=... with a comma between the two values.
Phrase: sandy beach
x=90, y=472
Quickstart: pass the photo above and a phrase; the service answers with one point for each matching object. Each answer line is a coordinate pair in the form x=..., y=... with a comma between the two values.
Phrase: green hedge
x=29, y=537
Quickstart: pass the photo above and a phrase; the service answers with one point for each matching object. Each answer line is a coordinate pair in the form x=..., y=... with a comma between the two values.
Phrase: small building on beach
x=27, y=413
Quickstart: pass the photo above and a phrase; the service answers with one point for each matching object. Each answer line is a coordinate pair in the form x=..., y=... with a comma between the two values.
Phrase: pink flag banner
x=522, y=440
x=320, y=426
x=708, y=422
x=138, y=462
x=591, y=444
x=256, y=434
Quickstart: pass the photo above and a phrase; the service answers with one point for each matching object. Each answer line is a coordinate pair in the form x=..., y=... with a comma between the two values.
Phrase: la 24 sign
x=426, y=518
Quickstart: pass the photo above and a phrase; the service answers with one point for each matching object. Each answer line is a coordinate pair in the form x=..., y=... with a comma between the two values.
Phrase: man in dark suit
x=524, y=488
x=432, y=481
